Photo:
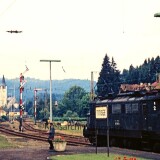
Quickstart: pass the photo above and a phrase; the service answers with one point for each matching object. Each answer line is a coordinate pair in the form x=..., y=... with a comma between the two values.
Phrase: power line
x=7, y=8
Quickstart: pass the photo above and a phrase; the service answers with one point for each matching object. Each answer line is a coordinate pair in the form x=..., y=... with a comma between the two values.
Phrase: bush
x=69, y=118
x=4, y=118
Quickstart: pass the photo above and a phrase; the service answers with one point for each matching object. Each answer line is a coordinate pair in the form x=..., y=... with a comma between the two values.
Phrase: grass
x=99, y=156
x=70, y=130
x=4, y=143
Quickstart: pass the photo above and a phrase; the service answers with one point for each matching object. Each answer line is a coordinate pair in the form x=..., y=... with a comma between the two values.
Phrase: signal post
x=21, y=107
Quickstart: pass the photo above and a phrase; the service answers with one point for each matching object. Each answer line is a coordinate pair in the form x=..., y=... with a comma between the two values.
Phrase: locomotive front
x=133, y=121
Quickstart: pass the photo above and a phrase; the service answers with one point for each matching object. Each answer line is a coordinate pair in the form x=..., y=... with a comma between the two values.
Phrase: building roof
x=3, y=83
x=139, y=87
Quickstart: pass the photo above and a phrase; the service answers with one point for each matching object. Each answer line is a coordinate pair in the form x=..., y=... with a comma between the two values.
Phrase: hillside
x=59, y=87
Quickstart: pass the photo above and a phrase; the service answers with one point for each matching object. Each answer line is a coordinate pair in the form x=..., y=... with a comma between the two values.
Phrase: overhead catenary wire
x=63, y=69
x=7, y=8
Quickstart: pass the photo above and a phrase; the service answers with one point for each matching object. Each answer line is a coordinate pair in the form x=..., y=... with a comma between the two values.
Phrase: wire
x=63, y=69
x=123, y=18
x=9, y=6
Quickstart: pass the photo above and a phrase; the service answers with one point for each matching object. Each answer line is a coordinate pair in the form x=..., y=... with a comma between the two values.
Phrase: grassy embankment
x=99, y=156
x=4, y=143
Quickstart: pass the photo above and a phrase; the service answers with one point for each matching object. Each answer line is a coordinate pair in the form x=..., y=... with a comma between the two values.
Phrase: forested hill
x=59, y=87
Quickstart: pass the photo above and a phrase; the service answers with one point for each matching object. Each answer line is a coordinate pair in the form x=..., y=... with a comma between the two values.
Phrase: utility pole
x=35, y=103
x=50, y=61
x=45, y=102
x=92, y=87
x=92, y=94
x=158, y=74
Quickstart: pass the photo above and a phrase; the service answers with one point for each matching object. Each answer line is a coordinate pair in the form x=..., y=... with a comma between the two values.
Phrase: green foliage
x=4, y=143
x=59, y=87
x=109, y=79
x=59, y=139
x=74, y=101
x=69, y=113
x=4, y=118
x=61, y=119
x=145, y=73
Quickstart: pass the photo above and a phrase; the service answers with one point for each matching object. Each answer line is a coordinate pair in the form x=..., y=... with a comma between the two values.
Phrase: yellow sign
x=101, y=112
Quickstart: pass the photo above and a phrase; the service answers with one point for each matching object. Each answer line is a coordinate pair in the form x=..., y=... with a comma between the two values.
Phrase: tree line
x=75, y=101
x=74, y=104
x=110, y=77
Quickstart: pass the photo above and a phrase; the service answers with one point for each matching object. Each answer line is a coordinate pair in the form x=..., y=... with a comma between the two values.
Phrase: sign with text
x=101, y=112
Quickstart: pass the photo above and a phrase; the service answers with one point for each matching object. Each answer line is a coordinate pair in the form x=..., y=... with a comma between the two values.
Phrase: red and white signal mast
x=21, y=89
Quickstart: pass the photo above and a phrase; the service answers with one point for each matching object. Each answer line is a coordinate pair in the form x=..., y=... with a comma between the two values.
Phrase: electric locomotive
x=133, y=121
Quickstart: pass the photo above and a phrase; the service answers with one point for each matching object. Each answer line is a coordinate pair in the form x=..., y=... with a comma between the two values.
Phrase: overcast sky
x=77, y=32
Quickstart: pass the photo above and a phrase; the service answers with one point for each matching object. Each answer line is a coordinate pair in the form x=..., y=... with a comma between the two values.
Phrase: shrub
x=59, y=139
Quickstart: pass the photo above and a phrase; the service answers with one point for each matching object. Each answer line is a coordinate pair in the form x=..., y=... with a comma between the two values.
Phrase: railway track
x=80, y=149
x=69, y=138
x=21, y=134
x=42, y=135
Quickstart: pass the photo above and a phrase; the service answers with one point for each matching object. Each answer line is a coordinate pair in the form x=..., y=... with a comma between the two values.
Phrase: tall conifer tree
x=109, y=78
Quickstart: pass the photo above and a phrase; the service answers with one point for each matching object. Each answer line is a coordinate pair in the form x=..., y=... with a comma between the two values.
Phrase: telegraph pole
x=35, y=103
x=92, y=94
x=50, y=61
x=92, y=87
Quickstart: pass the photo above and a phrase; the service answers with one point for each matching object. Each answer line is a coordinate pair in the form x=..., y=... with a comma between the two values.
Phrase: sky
x=79, y=33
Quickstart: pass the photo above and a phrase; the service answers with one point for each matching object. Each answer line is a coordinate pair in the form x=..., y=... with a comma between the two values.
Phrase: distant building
x=3, y=93
x=2, y=113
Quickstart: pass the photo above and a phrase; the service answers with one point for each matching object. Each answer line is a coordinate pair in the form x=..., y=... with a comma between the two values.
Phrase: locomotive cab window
x=128, y=108
x=131, y=108
x=116, y=108
x=135, y=108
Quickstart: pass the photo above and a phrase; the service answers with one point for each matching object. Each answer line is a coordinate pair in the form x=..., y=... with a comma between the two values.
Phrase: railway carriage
x=133, y=121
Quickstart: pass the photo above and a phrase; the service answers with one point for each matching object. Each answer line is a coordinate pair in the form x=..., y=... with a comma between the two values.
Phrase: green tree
x=124, y=76
x=109, y=79
x=69, y=113
x=75, y=100
x=145, y=73
x=84, y=105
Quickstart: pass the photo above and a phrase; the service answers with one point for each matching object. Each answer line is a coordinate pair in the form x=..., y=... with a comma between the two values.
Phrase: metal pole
x=45, y=102
x=95, y=130
x=107, y=132
x=50, y=84
x=20, y=103
x=50, y=94
x=35, y=103
x=92, y=92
